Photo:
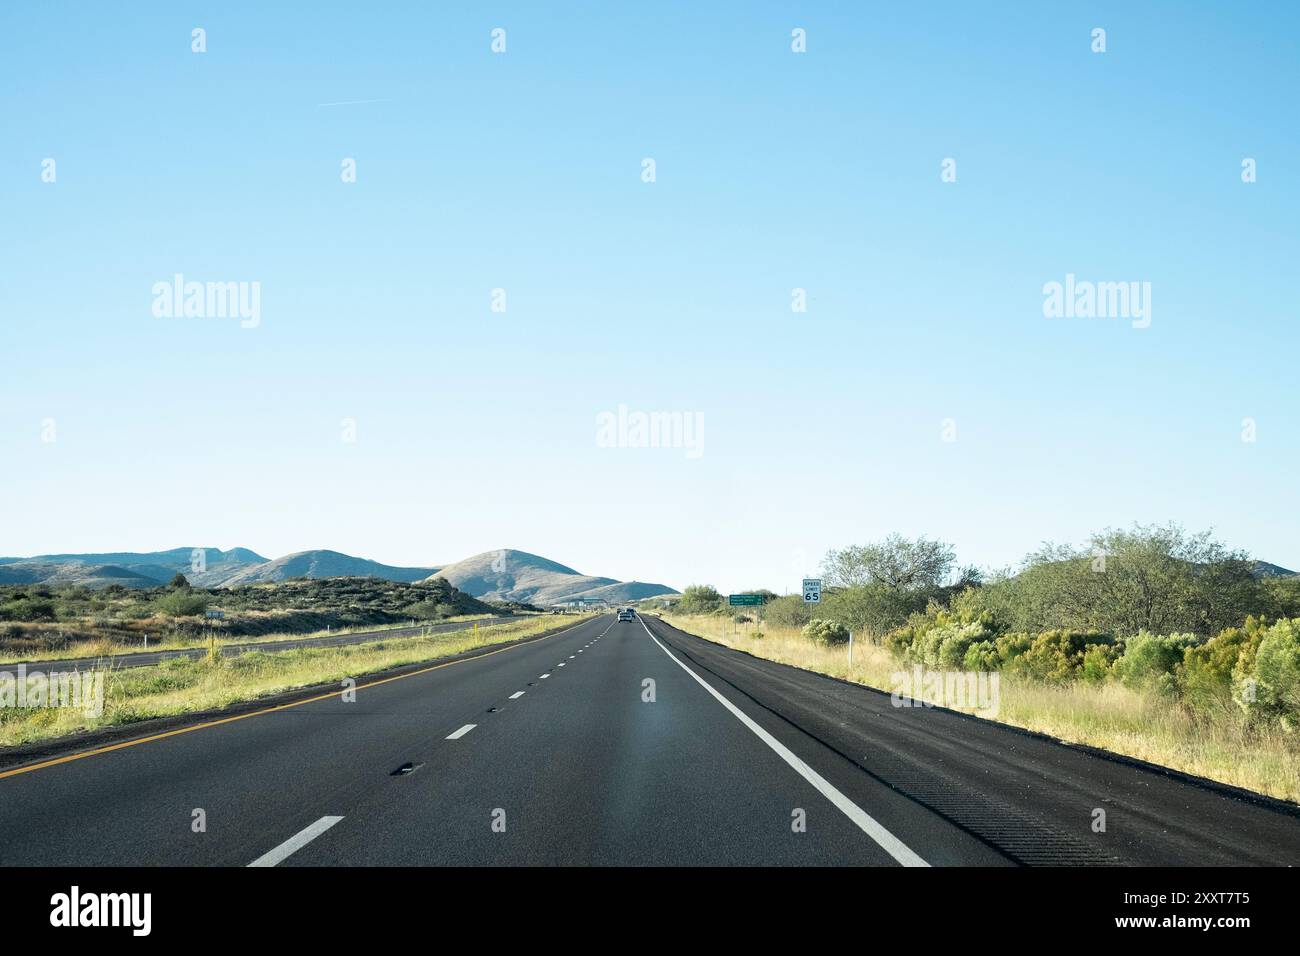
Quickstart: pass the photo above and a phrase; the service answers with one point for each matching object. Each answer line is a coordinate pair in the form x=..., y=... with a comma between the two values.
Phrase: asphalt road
x=152, y=658
x=560, y=752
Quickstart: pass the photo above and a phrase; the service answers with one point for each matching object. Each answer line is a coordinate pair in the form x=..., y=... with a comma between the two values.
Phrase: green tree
x=896, y=562
x=1158, y=579
x=699, y=599
x=182, y=603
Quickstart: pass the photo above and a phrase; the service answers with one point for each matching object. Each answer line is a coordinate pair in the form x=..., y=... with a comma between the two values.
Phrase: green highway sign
x=744, y=600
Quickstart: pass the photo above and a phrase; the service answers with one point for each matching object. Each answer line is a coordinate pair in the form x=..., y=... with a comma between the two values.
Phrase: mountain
x=71, y=573
x=509, y=575
x=322, y=564
x=505, y=575
x=1265, y=570
x=154, y=567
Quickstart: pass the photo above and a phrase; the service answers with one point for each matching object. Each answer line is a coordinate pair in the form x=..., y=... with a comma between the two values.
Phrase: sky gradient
x=522, y=171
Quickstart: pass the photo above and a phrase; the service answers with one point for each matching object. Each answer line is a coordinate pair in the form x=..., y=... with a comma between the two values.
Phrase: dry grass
x=211, y=683
x=106, y=648
x=1110, y=716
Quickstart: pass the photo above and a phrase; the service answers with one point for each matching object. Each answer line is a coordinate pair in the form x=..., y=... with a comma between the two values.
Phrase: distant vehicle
x=625, y=614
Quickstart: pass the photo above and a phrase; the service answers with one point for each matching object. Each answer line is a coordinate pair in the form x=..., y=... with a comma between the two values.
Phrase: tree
x=896, y=562
x=1158, y=579
x=179, y=581
x=699, y=599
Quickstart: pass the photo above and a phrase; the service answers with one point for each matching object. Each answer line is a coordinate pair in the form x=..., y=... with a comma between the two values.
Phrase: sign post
x=743, y=600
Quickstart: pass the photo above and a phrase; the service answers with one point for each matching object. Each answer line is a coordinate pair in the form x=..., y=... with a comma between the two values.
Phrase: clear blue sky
x=476, y=430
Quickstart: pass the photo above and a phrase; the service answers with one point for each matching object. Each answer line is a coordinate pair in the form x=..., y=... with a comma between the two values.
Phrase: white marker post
x=850, y=648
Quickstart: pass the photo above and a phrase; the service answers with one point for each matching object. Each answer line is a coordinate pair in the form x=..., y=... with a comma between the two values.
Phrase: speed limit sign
x=812, y=590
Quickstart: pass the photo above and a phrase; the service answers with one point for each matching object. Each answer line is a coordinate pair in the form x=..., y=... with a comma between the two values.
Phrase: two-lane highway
x=622, y=743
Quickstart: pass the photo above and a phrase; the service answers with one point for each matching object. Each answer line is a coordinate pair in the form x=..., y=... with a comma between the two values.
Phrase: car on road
x=625, y=614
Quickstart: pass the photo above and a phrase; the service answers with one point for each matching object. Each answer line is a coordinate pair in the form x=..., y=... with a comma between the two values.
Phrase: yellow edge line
x=68, y=758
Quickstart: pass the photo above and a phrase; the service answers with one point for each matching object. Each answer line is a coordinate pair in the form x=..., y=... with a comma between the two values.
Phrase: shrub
x=925, y=631
x=947, y=644
x=1153, y=660
x=826, y=632
x=1056, y=656
x=1210, y=669
x=699, y=599
x=1277, y=675
x=1099, y=662
x=982, y=656
x=789, y=611
x=29, y=609
x=428, y=610
x=182, y=603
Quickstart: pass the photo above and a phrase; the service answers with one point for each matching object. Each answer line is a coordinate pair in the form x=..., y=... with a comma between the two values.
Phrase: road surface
x=153, y=658
x=619, y=743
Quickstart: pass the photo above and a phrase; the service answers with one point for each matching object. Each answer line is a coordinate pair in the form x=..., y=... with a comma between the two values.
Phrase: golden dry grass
x=107, y=649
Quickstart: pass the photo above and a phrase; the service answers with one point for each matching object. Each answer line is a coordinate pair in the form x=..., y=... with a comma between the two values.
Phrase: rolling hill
x=144, y=568
x=323, y=564
x=509, y=575
x=505, y=575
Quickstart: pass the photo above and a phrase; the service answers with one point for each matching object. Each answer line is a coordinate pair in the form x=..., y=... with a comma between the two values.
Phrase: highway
x=619, y=744
x=152, y=658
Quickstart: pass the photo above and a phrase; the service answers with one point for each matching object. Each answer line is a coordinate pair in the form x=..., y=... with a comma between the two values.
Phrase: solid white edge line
x=865, y=822
x=295, y=842
x=462, y=732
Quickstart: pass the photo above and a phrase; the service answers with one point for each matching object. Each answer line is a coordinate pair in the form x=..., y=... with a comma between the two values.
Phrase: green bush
x=1154, y=660
x=29, y=609
x=826, y=632
x=925, y=631
x=1056, y=656
x=1277, y=675
x=699, y=599
x=1210, y=670
x=982, y=656
x=428, y=610
x=789, y=611
x=1099, y=662
x=183, y=603
x=946, y=643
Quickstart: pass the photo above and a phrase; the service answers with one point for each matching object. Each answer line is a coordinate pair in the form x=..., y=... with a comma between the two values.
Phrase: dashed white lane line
x=295, y=842
x=516, y=695
x=462, y=732
x=544, y=676
x=571, y=656
x=562, y=663
x=868, y=824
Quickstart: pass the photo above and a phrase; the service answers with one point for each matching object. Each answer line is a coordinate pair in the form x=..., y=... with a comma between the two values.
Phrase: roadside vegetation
x=40, y=622
x=216, y=681
x=1150, y=642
